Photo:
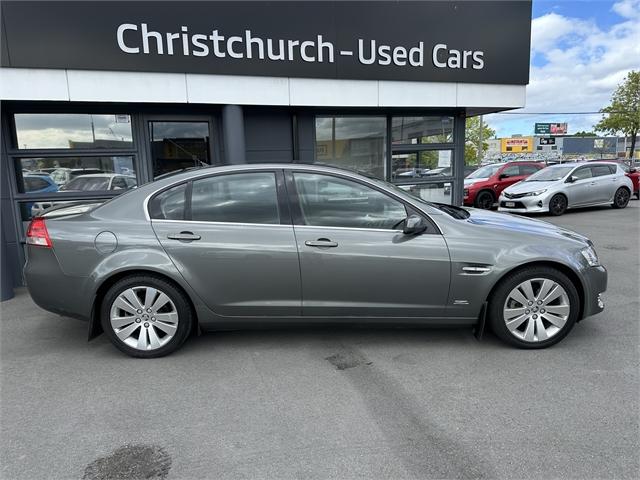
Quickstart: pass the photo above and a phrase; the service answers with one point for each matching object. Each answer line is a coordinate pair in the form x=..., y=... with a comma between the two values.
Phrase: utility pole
x=480, y=139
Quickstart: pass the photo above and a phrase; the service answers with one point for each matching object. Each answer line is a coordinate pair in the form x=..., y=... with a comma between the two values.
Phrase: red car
x=629, y=171
x=483, y=187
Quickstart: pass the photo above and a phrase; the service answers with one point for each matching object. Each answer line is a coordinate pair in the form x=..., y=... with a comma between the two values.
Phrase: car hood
x=471, y=181
x=517, y=223
x=524, y=187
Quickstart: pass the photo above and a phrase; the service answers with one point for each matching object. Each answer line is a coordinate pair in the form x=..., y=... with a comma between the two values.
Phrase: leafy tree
x=472, y=139
x=582, y=133
x=623, y=114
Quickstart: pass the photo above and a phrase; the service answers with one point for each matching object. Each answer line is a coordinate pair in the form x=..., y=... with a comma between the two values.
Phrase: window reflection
x=178, y=145
x=73, y=130
x=57, y=174
x=356, y=143
x=433, y=192
x=417, y=130
x=425, y=165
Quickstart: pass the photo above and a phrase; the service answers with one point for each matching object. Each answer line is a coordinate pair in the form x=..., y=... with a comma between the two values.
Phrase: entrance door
x=177, y=143
x=354, y=259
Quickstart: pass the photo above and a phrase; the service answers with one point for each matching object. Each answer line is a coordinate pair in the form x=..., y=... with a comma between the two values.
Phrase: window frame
x=298, y=217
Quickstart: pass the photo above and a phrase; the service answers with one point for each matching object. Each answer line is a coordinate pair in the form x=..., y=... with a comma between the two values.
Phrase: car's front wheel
x=558, y=205
x=534, y=308
x=146, y=316
x=485, y=200
x=621, y=198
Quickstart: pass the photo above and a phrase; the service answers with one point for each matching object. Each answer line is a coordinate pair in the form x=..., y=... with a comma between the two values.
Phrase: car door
x=230, y=236
x=507, y=177
x=606, y=183
x=354, y=259
x=580, y=191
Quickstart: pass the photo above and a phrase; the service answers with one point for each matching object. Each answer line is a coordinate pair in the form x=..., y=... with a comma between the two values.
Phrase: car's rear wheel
x=621, y=198
x=484, y=200
x=146, y=316
x=534, y=308
x=557, y=205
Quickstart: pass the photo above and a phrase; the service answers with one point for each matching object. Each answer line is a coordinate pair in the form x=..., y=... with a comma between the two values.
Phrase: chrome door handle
x=321, y=242
x=184, y=236
x=592, y=183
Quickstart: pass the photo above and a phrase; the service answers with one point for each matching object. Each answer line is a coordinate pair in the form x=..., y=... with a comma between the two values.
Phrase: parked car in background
x=65, y=175
x=483, y=187
x=39, y=183
x=226, y=247
x=99, y=182
x=569, y=185
x=630, y=171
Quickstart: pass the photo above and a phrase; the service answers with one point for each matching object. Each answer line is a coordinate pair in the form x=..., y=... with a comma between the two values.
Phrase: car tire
x=621, y=198
x=558, y=205
x=552, y=299
x=146, y=316
x=484, y=200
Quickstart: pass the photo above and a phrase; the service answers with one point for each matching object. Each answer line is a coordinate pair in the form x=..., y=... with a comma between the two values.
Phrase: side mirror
x=503, y=176
x=414, y=225
x=572, y=179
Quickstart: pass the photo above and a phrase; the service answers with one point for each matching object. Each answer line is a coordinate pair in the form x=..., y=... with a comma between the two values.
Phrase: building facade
x=98, y=97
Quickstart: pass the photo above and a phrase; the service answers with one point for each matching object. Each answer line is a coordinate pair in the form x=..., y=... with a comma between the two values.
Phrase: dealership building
x=98, y=97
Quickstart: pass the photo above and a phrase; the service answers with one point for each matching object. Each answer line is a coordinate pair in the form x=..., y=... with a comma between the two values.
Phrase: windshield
x=87, y=184
x=549, y=174
x=485, y=172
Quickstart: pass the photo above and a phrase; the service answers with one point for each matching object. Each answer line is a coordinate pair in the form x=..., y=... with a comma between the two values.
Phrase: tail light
x=37, y=233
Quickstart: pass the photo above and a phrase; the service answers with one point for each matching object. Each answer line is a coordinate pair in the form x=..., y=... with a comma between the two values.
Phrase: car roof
x=103, y=175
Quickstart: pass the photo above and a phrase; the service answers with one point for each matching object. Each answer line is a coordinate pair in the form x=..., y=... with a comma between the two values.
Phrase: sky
x=580, y=52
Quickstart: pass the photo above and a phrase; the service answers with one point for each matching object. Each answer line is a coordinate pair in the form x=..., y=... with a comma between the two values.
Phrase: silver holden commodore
x=568, y=185
x=226, y=247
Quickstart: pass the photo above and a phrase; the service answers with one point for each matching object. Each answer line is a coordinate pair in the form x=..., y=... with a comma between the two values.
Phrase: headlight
x=534, y=194
x=590, y=256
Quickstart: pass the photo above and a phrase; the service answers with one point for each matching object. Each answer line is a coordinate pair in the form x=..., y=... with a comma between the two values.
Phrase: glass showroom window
x=85, y=156
x=421, y=130
x=357, y=143
x=72, y=130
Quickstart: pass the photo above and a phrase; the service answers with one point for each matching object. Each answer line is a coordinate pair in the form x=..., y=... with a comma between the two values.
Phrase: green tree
x=623, y=114
x=472, y=139
x=582, y=133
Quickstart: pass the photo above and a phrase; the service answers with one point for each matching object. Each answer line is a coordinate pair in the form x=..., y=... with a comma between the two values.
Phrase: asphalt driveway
x=333, y=403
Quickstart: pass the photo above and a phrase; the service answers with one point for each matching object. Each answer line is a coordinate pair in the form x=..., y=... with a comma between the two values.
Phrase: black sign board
x=453, y=41
x=548, y=141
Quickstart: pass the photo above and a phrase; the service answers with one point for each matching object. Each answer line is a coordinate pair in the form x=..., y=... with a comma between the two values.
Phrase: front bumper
x=595, y=284
x=535, y=204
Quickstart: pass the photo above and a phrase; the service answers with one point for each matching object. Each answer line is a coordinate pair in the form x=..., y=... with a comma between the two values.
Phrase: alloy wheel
x=558, y=205
x=144, y=318
x=536, y=310
x=622, y=198
x=485, y=201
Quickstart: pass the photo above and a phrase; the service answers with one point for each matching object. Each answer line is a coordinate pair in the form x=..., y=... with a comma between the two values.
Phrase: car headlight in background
x=590, y=256
x=534, y=194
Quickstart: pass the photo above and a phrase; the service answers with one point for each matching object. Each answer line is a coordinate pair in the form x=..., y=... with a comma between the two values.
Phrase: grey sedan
x=234, y=246
x=568, y=185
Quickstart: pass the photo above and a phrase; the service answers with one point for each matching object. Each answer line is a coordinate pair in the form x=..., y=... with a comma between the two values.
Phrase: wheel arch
x=95, y=327
x=562, y=267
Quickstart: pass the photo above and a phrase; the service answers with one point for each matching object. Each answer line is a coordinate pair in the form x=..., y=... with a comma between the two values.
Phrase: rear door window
x=236, y=198
x=600, y=170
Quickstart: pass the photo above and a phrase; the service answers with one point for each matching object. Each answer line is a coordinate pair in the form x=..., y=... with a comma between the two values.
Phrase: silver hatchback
x=569, y=185
x=226, y=247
